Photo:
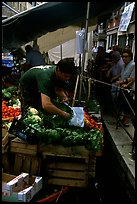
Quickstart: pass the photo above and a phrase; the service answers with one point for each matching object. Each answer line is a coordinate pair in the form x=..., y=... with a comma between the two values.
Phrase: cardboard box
x=27, y=194
x=15, y=184
x=16, y=190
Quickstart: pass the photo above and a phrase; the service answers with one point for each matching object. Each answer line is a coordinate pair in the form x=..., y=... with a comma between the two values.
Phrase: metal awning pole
x=80, y=54
x=84, y=55
x=86, y=35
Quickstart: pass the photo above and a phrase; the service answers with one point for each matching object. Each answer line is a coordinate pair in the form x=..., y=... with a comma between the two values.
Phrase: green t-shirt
x=41, y=80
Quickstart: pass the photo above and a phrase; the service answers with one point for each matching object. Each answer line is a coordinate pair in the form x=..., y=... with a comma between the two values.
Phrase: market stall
x=66, y=149
x=61, y=152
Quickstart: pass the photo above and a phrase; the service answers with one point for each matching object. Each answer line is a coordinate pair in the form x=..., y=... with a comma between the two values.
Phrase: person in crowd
x=103, y=90
x=33, y=58
x=116, y=66
x=126, y=82
x=105, y=69
x=99, y=61
x=101, y=87
x=116, y=48
x=110, y=74
x=39, y=86
x=127, y=47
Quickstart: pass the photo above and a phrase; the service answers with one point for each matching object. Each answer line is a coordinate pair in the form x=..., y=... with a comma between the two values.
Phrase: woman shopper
x=126, y=82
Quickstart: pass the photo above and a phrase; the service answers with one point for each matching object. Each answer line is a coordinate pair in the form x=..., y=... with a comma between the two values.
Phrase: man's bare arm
x=49, y=107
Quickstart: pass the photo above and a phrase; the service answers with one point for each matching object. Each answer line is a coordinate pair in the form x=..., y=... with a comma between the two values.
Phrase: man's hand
x=49, y=107
x=66, y=115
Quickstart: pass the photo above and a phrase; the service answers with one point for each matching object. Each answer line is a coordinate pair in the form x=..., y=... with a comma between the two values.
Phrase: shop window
x=110, y=41
x=114, y=39
x=122, y=41
x=130, y=39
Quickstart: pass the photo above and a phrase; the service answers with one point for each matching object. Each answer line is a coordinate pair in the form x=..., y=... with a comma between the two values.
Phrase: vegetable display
x=10, y=103
x=52, y=129
x=38, y=126
x=90, y=123
x=7, y=93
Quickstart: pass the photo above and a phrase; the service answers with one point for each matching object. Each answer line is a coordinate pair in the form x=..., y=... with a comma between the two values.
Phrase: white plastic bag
x=80, y=40
x=78, y=117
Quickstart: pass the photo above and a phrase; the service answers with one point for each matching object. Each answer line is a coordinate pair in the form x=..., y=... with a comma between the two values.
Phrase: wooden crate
x=69, y=166
x=5, y=140
x=19, y=146
x=26, y=157
x=6, y=157
x=4, y=131
x=27, y=163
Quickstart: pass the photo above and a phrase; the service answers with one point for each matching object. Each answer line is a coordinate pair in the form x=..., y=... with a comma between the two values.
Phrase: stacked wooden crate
x=6, y=138
x=69, y=166
x=26, y=157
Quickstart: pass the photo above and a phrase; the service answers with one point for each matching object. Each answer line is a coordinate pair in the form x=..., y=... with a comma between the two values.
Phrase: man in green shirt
x=39, y=86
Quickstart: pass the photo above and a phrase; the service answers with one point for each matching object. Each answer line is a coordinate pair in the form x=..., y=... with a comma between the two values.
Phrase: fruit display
x=9, y=112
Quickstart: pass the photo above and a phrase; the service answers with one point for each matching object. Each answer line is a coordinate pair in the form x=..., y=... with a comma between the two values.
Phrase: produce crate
x=5, y=140
x=6, y=160
x=69, y=166
x=6, y=137
x=66, y=171
x=4, y=131
x=26, y=157
x=19, y=146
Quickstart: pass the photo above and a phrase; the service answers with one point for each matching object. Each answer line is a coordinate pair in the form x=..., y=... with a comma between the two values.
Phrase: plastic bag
x=78, y=117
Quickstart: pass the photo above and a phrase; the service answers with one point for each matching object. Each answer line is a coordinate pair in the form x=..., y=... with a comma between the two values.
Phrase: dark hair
x=107, y=55
x=28, y=48
x=115, y=56
x=129, y=52
x=115, y=48
x=67, y=65
x=101, y=49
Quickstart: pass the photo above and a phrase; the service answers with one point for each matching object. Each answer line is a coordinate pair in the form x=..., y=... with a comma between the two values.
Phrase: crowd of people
x=116, y=68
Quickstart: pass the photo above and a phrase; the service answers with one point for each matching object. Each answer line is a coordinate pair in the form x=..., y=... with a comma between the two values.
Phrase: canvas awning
x=48, y=17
